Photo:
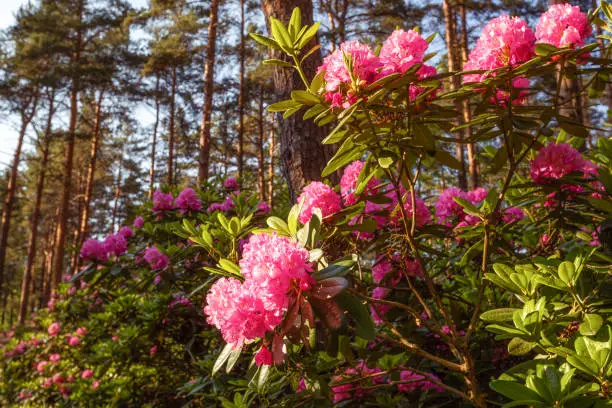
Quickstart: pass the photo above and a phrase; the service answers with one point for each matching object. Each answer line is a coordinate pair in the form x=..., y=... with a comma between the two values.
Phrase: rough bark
x=451, y=46
x=271, y=154
x=209, y=67
x=91, y=173
x=33, y=239
x=154, y=142
x=117, y=192
x=28, y=109
x=261, y=162
x=467, y=113
x=58, y=262
x=171, y=129
x=302, y=155
x=241, y=56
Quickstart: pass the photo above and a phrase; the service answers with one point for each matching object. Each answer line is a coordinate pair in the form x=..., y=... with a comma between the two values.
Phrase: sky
x=8, y=125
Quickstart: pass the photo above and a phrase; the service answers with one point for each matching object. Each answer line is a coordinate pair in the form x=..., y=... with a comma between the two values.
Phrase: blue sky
x=8, y=132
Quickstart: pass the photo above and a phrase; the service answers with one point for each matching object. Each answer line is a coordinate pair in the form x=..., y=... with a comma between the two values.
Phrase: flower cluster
x=563, y=25
x=272, y=266
x=348, y=183
x=557, y=160
x=321, y=196
x=115, y=244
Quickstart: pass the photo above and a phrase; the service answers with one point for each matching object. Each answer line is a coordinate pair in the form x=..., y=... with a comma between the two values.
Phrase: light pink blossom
x=402, y=50
x=557, y=160
x=54, y=329
x=563, y=25
x=321, y=196
x=348, y=183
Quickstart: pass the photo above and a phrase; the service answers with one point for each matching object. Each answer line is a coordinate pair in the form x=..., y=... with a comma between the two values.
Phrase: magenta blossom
x=86, y=374
x=126, y=232
x=94, y=251
x=55, y=358
x=54, y=329
x=348, y=183
x=321, y=196
x=188, y=200
x=155, y=258
x=401, y=51
x=555, y=161
x=162, y=201
x=263, y=356
x=563, y=25
x=263, y=207
x=138, y=222
x=115, y=244
x=230, y=183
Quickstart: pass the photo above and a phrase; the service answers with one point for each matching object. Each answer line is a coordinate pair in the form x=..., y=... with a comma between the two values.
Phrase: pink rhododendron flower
x=477, y=196
x=513, y=214
x=447, y=208
x=126, y=232
x=272, y=266
x=563, y=25
x=47, y=383
x=505, y=41
x=557, y=160
x=401, y=50
x=422, y=216
x=381, y=269
x=54, y=358
x=81, y=331
x=73, y=341
x=377, y=310
x=115, y=244
x=348, y=183
x=153, y=350
x=425, y=71
x=162, y=201
x=157, y=280
x=24, y=395
x=420, y=381
x=263, y=356
x=54, y=329
x=321, y=196
x=138, y=222
x=355, y=390
x=58, y=378
x=339, y=87
x=86, y=374
x=263, y=207
x=230, y=183
x=95, y=385
x=155, y=258
x=40, y=367
x=188, y=200
x=94, y=251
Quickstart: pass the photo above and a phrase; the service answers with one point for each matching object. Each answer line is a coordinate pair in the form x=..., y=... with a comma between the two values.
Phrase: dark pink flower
x=263, y=356
x=155, y=258
x=188, y=200
x=162, y=201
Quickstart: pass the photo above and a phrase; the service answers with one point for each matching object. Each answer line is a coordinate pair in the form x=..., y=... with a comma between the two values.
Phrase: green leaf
x=545, y=49
x=308, y=35
x=332, y=271
x=304, y=97
x=233, y=358
x=328, y=288
x=573, y=128
x=278, y=62
x=498, y=315
x=447, y=159
x=566, y=272
x=347, y=153
x=584, y=364
x=225, y=354
x=266, y=41
x=295, y=22
x=229, y=266
x=591, y=324
x=514, y=391
x=347, y=115
x=360, y=313
x=278, y=224
x=281, y=35
x=519, y=347
x=283, y=106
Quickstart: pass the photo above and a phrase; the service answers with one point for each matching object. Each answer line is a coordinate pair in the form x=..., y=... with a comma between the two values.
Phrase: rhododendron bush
x=374, y=289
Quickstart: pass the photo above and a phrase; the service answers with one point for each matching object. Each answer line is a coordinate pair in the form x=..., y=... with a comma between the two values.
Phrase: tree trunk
x=154, y=144
x=451, y=45
x=117, y=191
x=467, y=113
x=9, y=199
x=32, y=242
x=171, y=129
x=91, y=173
x=271, y=153
x=209, y=69
x=302, y=155
x=241, y=97
x=261, y=164
x=50, y=259
x=58, y=263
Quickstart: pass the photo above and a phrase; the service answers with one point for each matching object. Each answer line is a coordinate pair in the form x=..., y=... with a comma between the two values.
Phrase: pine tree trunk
x=209, y=68
x=117, y=192
x=302, y=155
x=89, y=183
x=241, y=97
x=33, y=240
x=467, y=113
x=271, y=153
x=154, y=143
x=171, y=129
x=451, y=45
x=9, y=198
x=261, y=164
x=58, y=262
